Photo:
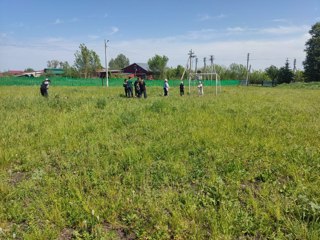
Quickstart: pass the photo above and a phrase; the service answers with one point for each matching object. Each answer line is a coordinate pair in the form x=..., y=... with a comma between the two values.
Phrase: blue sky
x=33, y=31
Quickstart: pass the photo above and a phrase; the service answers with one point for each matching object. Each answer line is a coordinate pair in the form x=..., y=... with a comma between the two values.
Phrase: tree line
x=87, y=62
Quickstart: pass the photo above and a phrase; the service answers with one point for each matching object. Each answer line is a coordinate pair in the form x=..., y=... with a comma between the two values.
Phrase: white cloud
x=220, y=16
x=284, y=30
x=206, y=17
x=3, y=35
x=265, y=50
x=280, y=20
x=247, y=33
x=75, y=19
x=58, y=21
x=93, y=37
x=114, y=30
x=236, y=29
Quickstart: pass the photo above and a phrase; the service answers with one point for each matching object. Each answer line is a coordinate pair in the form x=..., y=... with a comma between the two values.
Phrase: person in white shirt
x=166, y=87
x=200, y=88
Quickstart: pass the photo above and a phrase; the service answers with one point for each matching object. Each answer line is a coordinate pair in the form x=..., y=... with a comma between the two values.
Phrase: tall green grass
x=87, y=163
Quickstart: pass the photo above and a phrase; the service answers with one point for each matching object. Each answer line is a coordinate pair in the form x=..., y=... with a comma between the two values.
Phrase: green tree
x=121, y=61
x=258, y=76
x=285, y=74
x=87, y=62
x=174, y=73
x=236, y=71
x=312, y=61
x=158, y=64
x=272, y=72
x=68, y=70
x=95, y=63
x=29, y=70
x=299, y=76
x=222, y=71
x=54, y=64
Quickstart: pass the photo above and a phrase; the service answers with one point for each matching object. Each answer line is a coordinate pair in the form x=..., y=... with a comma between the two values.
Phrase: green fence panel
x=113, y=82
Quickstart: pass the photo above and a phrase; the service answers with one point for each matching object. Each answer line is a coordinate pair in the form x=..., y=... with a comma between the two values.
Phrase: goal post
x=213, y=78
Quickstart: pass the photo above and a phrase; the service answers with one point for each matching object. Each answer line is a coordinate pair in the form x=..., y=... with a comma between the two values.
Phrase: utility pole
x=247, y=78
x=191, y=55
x=196, y=67
x=106, y=61
x=204, y=63
x=294, y=69
x=213, y=67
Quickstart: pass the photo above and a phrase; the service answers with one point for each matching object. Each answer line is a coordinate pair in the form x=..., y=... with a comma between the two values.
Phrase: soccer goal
x=207, y=78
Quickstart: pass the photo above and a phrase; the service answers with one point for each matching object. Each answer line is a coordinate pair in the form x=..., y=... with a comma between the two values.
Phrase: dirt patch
x=66, y=234
x=122, y=233
x=17, y=177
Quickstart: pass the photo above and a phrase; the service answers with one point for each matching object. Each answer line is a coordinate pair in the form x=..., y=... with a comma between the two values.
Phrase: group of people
x=181, y=87
x=139, y=88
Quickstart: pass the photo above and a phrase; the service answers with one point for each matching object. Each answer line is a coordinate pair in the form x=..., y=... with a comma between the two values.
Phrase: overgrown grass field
x=87, y=163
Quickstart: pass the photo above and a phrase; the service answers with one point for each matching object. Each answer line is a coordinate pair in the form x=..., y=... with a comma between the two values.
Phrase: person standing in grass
x=143, y=88
x=200, y=88
x=44, y=87
x=181, y=88
x=125, y=87
x=129, y=88
x=136, y=87
x=166, y=87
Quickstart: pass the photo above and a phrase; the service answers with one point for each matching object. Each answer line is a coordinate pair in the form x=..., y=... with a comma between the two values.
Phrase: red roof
x=15, y=72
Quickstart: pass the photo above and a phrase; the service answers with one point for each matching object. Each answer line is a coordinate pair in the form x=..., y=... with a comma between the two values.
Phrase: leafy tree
x=236, y=71
x=68, y=70
x=121, y=61
x=29, y=70
x=272, y=72
x=87, y=62
x=258, y=76
x=222, y=71
x=299, y=76
x=54, y=64
x=170, y=73
x=158, y=64
x=179, y=71
x=285, y=74
x=95, y=63
x=174, y=73
x=312, y=61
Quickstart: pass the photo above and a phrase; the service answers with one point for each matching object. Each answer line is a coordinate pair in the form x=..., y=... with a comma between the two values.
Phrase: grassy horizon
x=87, y=163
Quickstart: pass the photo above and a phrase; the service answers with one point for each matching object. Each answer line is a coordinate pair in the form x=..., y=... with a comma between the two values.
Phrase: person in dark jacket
x=136, y=87
x=44, y=87
x=129, y=88
x=125, y=87
x=181, y=89
x=143, y=88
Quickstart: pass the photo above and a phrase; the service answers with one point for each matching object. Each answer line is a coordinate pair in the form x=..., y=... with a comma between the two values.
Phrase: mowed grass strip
x=87, y=163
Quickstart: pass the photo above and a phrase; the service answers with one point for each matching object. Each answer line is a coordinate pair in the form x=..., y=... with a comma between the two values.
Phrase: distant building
x=102, y=73
x=20, y=73
x=54, y=71
x=139, y=70
x=14, y=72
x=31, y=74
